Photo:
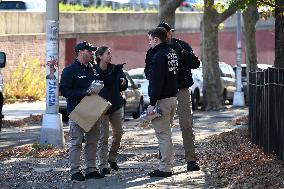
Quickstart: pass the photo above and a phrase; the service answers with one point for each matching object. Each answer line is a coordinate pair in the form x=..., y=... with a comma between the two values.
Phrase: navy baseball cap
x=166, y=26
x=85, y=45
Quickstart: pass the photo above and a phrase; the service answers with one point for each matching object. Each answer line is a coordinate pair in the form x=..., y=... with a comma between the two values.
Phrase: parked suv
x=227, y=82
x=196, y=88
x=133, y=98
x=138, y=76
x=132, y=101
x=2, y=65
x=260, y=67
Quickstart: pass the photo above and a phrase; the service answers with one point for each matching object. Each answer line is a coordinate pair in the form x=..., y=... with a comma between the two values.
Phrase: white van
x=23, y=5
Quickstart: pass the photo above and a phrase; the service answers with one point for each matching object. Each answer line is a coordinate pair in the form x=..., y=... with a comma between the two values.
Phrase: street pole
x=52, y=127
x=239, y=94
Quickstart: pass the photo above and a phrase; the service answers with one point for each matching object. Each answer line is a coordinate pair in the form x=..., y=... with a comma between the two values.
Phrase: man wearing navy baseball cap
x=75, y=81
x=85, y=46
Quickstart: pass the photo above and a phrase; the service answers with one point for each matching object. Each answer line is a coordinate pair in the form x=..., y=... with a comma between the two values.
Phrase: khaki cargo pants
x=117, y=131
x=163, y=132
x=76, y=136
x=185, y=121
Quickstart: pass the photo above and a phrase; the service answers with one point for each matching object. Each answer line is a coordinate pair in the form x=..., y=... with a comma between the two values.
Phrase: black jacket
x=192, y=62
x=187, y=58
x=75, y=80
x=163, y=77
x=112, y=85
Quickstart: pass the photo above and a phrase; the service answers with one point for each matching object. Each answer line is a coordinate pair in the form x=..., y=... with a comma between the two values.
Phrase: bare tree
x=212, y=90
x=167, y=11
x=250, y=17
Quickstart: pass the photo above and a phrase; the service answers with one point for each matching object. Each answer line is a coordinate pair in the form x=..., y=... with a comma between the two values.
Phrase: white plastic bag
x=145, y=119
x=95, y=87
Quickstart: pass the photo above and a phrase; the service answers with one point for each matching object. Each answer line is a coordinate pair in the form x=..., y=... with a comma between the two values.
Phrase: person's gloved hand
x=119, y=66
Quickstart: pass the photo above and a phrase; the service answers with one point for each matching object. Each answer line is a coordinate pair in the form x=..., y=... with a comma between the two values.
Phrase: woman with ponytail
x=114, y=82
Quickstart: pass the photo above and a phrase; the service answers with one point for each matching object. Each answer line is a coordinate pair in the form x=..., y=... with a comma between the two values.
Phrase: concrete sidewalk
x=138, y=154
x=19, y=111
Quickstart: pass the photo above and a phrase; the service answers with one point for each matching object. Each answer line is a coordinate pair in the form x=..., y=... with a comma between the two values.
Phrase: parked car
x=191, y=5
x=196, y=88
x=63, y=108
x=24, y=5
x=133, y=98
x=138, y=76
x=2, y=65
x=227, y=82
x=132, y=101
x=244, y=75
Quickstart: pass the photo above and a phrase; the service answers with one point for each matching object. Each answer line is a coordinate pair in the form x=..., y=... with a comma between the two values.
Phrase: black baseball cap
x=166, y=26
x=85, y=45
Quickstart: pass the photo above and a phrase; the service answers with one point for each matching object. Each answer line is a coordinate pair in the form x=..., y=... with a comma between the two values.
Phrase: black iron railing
x=266, y=110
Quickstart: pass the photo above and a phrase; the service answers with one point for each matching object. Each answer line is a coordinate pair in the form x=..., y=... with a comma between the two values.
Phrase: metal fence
x=266, y=110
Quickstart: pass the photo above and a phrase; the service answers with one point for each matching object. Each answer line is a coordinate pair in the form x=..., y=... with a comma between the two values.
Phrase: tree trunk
x=250, y=16
x=212, y=89
x=211, y=74
x=167, y=11
x=279, y=34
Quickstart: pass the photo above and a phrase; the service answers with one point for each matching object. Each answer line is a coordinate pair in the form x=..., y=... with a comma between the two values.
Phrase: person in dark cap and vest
x=184, y=108
x=75, y=80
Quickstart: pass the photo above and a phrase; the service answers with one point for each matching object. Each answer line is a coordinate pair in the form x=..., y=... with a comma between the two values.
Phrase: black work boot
x=159, y=154
x=105, y=171
x=94, y=175
x=78, y=176
x=158, y=173
x=192, y=166
x=113, y=165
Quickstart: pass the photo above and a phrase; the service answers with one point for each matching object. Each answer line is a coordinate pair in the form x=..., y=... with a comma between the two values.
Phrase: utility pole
x=52, y=127
x=239, y=94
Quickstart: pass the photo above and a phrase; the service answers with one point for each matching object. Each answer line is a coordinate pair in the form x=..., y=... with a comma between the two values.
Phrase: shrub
x=104, y=9
x=27, y=81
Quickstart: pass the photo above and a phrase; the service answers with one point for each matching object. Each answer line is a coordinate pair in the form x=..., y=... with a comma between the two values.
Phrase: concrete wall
x=126, y=34
x=88, y=22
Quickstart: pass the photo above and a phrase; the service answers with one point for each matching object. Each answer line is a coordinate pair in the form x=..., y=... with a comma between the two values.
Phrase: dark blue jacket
x=188, y=59
x=75, y=80
x=192, y=62
x=164, y=73
x=112, y=85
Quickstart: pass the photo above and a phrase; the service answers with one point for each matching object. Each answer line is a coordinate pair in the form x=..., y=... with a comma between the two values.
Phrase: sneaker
x=94, y=175
x=113, y=165
x=158, y=173
x=78, y=176
x=105, y=171
x=192, y=166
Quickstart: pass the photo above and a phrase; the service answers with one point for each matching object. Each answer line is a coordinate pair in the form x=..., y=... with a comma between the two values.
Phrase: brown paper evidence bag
x=89, y=110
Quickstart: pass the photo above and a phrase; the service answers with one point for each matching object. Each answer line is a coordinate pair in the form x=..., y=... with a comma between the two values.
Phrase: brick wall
x=16, y=47
x=129, y=49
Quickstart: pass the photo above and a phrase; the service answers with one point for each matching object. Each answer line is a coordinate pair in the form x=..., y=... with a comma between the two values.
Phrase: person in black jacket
x=75, y=80
x=189, y=61
x=163, y=82
x=115, y=81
